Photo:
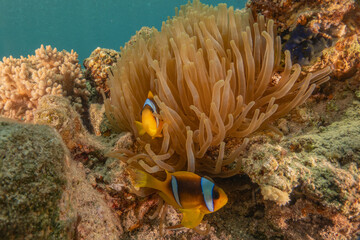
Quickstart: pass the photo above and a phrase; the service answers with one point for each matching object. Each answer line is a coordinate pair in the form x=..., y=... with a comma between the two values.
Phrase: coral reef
x=100, y=61
x=314, y=165
x=49, y=72
x=303, y=184
x=344, y=56
x=310, y=159
x=32, y=166
x=305, y=44
x=57, y=112
x=215, y=73
x=310, y=26
x=323, y=16
x=97, y=65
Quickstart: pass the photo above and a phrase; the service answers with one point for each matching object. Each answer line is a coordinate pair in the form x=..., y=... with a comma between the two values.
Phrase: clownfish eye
x=216, y=195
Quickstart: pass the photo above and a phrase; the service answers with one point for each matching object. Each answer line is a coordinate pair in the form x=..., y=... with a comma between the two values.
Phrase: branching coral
x=215, y=73
x=49, y=72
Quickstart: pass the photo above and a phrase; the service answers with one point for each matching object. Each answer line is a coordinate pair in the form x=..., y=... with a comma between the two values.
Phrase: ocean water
x=80, y=25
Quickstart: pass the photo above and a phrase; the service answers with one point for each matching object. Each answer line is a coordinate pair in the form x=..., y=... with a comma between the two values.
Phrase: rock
x=96, y=219
x=32, y=165
x=44, y=194
x=57, y=112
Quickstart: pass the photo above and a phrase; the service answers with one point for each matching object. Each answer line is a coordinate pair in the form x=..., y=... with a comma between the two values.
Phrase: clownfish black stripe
x=175, y=190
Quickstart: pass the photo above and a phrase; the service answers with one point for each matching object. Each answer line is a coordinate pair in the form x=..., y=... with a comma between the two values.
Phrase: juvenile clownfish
x=193, y=195
x=150, y=123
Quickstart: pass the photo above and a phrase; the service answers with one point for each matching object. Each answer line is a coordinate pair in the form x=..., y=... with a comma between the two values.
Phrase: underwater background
x=80, y=25
x=264, y=103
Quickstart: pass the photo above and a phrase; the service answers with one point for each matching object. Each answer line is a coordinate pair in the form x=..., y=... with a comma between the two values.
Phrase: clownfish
x=150, y=123
x=193, y=195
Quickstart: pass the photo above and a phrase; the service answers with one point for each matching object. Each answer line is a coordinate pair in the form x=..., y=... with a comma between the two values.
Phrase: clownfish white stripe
x=153, y=108
x=207, y=191
x=150, y=104
x=175, y=191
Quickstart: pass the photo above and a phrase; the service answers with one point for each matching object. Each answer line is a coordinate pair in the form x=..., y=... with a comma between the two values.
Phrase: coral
x=215, y=73
x=97, y=65
x=321, y=16
x=97, y=112
x=344, y=56
x=32, y=166
x=305, y=44
x=310, y=26
x=57, y=112
x=49, y=72
x=144, y=33
x=324, y=162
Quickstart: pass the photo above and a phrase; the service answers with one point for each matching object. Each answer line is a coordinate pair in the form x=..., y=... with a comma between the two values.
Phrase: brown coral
x=320, y=15
x=213, y=71
x=49, y=72
x=97, y=65
x=344, y=56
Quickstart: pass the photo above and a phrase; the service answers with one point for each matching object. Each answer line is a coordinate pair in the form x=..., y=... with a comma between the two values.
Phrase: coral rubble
x=49, y=72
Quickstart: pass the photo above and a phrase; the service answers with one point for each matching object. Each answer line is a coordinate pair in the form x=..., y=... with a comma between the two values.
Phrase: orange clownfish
x=150, y=124
x=193, y=195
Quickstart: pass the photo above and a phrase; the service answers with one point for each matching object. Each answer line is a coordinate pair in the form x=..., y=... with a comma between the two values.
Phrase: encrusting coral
x=49, y=72
x=215, y=73
x=57, y=112
x=96, y=66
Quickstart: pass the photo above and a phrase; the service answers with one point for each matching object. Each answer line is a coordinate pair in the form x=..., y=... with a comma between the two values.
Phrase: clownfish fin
x=157, y=135
x=191, y=217
x=140, y=128
x=150, y=95
x=142, y=179
x=159, y=130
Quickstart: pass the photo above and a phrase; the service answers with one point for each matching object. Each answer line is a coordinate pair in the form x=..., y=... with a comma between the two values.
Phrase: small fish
x=150, y=124
x=193, y=195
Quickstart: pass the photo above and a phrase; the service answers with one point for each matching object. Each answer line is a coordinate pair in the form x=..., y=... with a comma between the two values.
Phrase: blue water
x=81, y=25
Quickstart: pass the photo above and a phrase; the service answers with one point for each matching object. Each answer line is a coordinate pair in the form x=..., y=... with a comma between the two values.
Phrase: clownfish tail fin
x=142, y=179
x=140, y=128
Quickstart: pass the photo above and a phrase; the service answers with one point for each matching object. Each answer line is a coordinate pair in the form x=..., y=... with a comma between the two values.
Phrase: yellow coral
x=215, y=73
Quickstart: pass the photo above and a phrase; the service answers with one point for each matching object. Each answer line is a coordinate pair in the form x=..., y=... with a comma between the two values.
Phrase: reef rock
x=57, y=112
x=44, y=194
x=32, y=166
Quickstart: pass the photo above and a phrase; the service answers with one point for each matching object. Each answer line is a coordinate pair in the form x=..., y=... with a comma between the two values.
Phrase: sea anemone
x=215, y=73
